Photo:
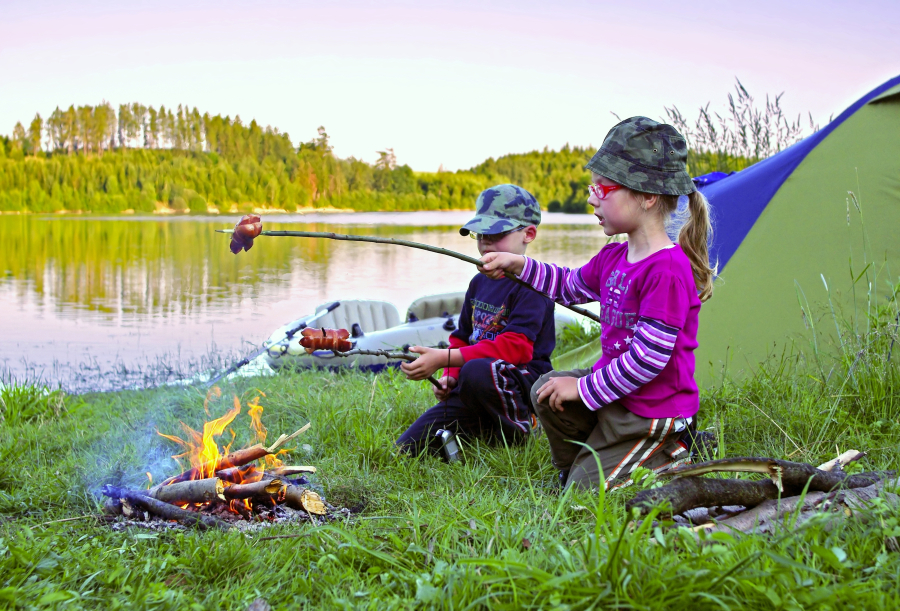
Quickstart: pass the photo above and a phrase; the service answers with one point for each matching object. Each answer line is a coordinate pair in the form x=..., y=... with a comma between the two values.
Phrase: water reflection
x=116, y=296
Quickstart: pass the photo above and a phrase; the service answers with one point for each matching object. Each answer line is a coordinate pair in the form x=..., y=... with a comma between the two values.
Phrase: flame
x=150, y=482
x=201, y=449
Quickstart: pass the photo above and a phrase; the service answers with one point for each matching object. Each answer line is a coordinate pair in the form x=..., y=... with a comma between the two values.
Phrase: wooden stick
x=248, y=491
x=191, y=491
x=164, y=510
x=844, y=459
x=389, y=355
x=435, y=249
x=283, y=439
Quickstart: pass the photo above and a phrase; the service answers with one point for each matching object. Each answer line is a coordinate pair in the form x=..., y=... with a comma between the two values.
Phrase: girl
x=635, y=406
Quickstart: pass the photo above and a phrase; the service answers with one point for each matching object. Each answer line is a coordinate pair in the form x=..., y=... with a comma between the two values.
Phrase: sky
x=442, y=83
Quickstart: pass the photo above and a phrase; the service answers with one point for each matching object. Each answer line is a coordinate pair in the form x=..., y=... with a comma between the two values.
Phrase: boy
x=503, y=343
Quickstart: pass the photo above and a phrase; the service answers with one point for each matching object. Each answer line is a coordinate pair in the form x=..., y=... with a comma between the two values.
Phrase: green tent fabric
x=788, y=222
x=809, y=245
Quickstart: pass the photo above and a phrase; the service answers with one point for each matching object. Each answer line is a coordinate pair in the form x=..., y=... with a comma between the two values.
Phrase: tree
x=34, y=134
x=151, y=134
x=126, y=120
x=18, y=136
x=85, y=127
x=70, y=128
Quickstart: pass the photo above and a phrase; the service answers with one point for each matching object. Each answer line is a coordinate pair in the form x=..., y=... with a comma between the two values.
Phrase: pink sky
x=442, y=83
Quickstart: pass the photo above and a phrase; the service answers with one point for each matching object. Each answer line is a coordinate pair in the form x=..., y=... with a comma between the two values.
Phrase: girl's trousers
x=621, y=440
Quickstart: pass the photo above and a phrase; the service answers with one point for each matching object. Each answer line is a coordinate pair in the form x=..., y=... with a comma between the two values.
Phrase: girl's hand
x=495, y=264
x=430, y=361
x=558, y=390
x=447, y=384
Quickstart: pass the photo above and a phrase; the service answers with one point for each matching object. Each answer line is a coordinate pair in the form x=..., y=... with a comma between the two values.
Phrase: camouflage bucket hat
x=644, y=156
x=502, y=208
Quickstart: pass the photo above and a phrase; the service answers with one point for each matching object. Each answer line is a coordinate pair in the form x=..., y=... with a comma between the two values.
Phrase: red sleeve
x=512, y=347
x=455, y=342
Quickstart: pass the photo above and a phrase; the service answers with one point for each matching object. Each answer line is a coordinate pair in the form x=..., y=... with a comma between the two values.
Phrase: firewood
x=772, y=513
x=191, y=491
x=162, y=509
x=249, y=491
x=836, y=464
x=296, y=497
x=240, y=475
x=786, y=478
x=237, y=458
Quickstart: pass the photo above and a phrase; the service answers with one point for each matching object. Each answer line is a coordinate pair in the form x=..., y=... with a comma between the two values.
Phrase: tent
x=790, y=239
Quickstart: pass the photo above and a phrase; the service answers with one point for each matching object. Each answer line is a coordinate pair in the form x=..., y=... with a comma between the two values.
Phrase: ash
x=257, y=522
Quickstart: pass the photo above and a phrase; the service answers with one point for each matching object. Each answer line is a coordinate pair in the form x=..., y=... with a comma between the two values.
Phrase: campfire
x=222, y=487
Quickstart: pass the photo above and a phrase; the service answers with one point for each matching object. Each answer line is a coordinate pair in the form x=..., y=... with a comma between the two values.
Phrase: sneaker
x=699, y=444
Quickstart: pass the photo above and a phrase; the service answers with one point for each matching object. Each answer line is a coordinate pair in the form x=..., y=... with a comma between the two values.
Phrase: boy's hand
x=557, y=390
x=430, y=361
x=494, y=264
x=447, y=384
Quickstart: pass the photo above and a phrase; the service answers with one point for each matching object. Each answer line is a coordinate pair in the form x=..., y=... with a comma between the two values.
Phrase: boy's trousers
x=622, y=441
x=491, y=400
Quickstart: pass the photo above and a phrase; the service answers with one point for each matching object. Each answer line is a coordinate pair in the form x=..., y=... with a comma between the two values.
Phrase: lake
x=93, y=302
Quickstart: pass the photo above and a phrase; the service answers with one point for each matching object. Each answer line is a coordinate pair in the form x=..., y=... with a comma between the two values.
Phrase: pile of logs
x=239, y=490
x=789, y=489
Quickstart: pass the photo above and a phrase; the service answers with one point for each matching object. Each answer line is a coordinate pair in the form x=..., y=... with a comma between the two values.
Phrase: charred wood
x=192, y=491
x=162, y=509
x=253, y=490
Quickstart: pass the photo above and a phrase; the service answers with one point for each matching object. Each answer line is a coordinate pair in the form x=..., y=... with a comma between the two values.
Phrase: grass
x=489, y=533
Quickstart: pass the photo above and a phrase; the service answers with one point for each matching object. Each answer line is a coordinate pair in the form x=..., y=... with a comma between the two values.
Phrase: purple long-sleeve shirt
x=650, y=312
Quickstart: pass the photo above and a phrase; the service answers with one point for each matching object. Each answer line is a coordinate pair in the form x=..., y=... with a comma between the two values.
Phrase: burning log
x=255, y=489
x=240, y=475
x=234, y=459
x=162, y=509
x=191, y=491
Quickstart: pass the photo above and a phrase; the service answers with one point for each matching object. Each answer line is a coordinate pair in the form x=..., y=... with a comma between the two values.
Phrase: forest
x=139, y=159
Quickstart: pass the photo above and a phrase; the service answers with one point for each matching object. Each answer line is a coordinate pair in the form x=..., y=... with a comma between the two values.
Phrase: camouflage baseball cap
x=502, y=208
x=645, y=156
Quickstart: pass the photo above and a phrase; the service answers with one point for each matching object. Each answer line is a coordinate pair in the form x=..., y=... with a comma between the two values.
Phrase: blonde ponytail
x=694, y=237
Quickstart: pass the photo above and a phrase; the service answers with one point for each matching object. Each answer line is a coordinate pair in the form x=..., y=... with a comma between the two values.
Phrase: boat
x=374, y=325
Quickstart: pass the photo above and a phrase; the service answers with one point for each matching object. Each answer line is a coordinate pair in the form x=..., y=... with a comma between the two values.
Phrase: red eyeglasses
x=601, y=191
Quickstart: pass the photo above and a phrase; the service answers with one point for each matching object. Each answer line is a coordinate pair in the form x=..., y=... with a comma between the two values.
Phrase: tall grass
x=738, y=136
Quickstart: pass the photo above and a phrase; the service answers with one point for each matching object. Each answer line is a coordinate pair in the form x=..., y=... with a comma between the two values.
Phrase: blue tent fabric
x=739, y=199
x=708, y=179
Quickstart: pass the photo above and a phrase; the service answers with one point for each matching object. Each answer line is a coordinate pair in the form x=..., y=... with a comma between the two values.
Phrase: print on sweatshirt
x=488, y=320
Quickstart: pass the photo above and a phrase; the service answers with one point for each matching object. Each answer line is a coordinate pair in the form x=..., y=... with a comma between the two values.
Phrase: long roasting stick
x=441, y=251
x=402, y=356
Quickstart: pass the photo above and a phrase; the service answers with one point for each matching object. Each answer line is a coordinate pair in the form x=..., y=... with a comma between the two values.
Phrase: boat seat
x=371, y=315
x=431, y=306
